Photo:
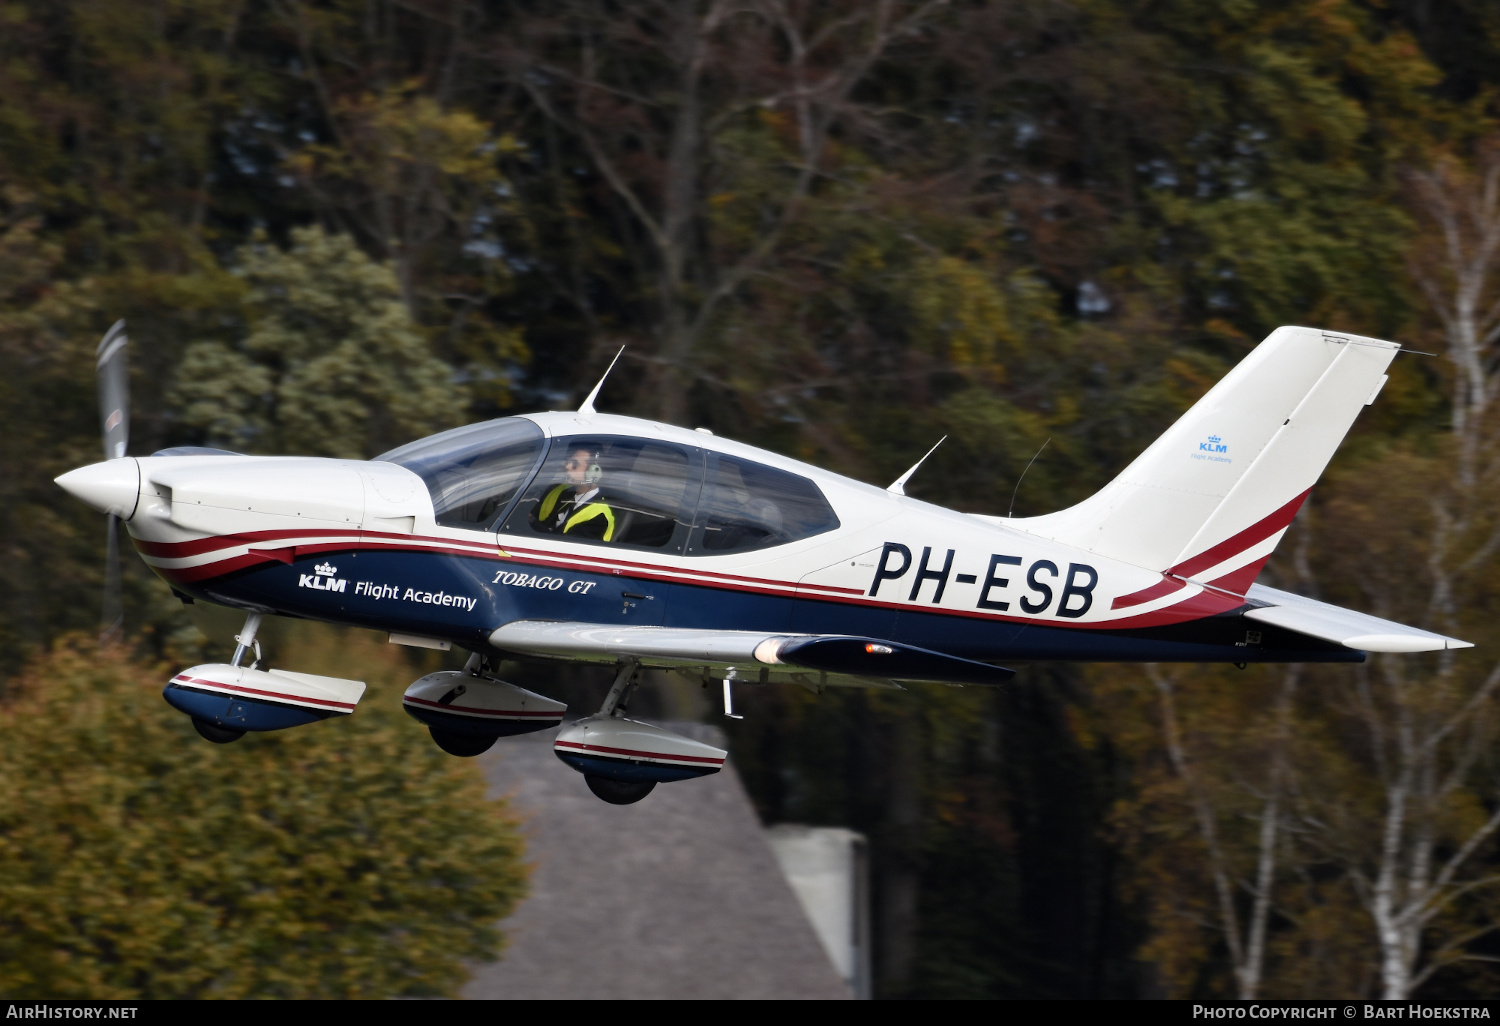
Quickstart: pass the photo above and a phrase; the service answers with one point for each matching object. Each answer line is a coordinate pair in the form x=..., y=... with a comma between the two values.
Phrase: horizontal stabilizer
x=1342, y=626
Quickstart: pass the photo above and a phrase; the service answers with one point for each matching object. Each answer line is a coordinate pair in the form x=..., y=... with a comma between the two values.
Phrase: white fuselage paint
x=890, y=549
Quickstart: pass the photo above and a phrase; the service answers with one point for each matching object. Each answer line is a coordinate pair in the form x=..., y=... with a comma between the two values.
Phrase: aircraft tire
x=215, y=733
x=619, y=792
x=465, y=746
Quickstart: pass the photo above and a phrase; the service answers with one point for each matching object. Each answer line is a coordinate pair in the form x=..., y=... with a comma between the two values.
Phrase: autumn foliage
x=347, y=859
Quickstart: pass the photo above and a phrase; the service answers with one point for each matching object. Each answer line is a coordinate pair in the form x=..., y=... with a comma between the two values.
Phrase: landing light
x=769, y=651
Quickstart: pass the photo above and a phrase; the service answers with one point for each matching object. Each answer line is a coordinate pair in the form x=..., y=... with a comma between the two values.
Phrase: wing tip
x=1399, y=643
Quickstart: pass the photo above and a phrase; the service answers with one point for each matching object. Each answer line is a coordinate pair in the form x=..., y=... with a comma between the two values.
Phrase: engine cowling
x=463, y=703
x=632, y=751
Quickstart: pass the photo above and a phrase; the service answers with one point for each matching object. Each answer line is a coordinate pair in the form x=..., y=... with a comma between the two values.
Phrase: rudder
x=1211, y=497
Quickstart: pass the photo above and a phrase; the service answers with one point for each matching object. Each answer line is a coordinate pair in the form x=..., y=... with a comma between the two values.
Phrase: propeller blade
x=112, y=615
x=113, y=374
x=114, y=391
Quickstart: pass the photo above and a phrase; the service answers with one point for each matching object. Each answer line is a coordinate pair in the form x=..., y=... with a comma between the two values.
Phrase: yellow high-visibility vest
x=550, y=502
x=589, y=512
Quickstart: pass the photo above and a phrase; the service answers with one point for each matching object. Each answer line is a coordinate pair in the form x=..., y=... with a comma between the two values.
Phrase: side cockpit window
x=630, y=492
x=747, y=506
x=473, y=472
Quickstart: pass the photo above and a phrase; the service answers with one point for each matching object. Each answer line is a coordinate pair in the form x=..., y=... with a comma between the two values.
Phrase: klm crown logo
x=321, y=579
x=1214, y=444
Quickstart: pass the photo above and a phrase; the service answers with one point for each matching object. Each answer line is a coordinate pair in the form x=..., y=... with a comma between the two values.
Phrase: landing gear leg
x=465, y=746
x=244, y=641
x=627, y=679
x=620, y=792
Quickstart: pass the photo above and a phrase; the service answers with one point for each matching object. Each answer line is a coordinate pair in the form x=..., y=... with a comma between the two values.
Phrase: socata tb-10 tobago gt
x=604, y=539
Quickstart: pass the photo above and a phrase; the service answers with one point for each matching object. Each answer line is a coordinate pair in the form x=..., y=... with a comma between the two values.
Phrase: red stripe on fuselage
x=357, y=539
x=1239, y=581
x=1234, y=545
x=705, y=573
x=1236, y=581
x=1194, y=607
x=1165, y=586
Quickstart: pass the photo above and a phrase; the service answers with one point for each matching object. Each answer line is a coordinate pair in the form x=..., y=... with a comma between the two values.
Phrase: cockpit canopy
x=621, y=490
x=473, y=472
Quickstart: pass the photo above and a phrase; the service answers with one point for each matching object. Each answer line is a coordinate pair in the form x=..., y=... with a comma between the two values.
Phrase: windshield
x=473, y=472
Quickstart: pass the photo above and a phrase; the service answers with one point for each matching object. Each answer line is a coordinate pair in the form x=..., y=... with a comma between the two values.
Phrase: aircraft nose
x=110, y=487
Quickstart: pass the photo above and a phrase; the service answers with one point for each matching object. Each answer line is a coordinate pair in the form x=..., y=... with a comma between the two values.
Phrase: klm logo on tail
x=1215, y=449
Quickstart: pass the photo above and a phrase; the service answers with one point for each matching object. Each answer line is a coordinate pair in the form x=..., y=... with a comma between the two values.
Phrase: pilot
x=574, y=507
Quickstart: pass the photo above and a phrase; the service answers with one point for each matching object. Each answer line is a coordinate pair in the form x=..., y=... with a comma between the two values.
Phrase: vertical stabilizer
x=1210, y=498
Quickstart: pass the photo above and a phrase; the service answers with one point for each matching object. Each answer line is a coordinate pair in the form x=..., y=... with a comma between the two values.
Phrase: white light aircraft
x=630, y=544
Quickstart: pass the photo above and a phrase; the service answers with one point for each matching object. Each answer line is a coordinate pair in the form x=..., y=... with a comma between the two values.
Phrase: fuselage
x=710, y=534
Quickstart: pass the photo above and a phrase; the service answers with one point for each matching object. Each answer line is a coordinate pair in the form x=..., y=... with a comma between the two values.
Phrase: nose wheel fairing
x=243, y=714
x=246, y=699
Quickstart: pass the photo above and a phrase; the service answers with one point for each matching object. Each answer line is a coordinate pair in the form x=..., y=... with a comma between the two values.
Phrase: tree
x=343, y=859
x=1430, y=722
x=331, y=363
x=668, y=103
x=398, y=154
x=1378, y=793
x=1209, y=822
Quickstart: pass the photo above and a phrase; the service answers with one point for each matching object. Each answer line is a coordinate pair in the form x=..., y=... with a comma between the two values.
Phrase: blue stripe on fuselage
x=464, y=598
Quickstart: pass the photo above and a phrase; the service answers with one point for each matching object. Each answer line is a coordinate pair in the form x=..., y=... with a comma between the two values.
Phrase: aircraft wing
x=755, y=656
x=1342, y=626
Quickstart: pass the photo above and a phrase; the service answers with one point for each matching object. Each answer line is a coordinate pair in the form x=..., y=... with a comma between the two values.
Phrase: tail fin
x=1210, y=498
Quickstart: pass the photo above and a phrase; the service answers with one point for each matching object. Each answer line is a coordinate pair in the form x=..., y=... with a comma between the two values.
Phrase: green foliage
x=345, y=859
x=331, y=364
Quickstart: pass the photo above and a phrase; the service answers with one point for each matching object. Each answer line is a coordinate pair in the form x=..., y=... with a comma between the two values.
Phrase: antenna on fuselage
x=898, y=486
x=1012, y=511
x=587, y=409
